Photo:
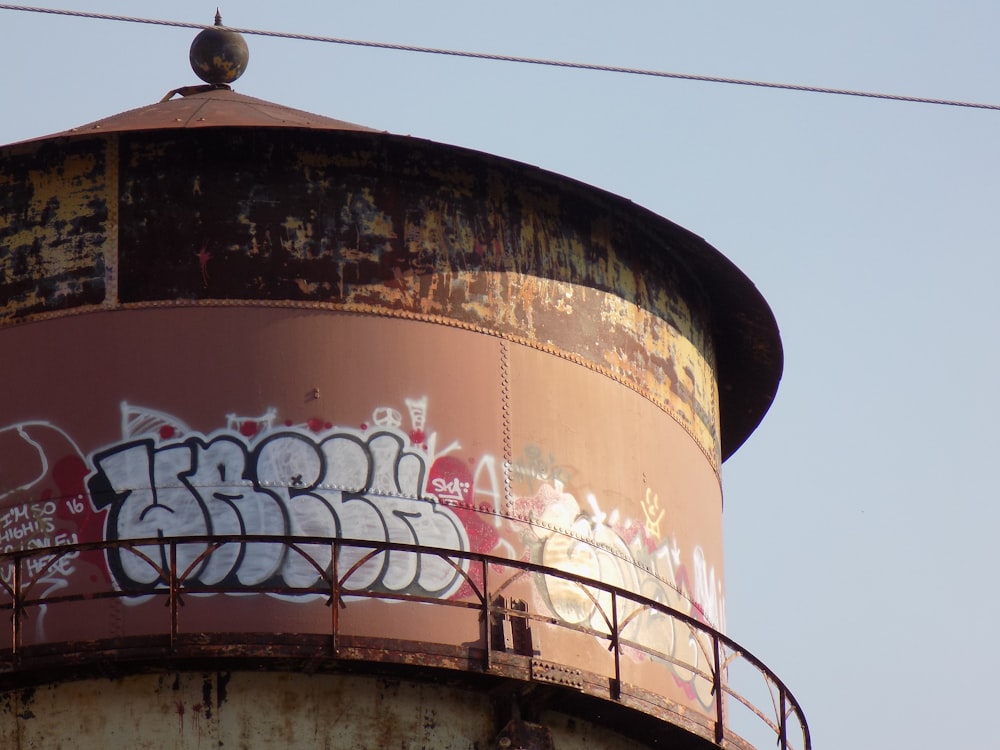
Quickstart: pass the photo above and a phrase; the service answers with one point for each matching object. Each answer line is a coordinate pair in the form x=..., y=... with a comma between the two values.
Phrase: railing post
x=16, y=611
x=334, y=596
x=616, y=689
x=173, y=595
x=487, y=619
x=782, y=724
x=720, y=731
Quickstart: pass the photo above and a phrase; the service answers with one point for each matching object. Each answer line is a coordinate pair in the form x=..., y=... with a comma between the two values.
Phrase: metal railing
x=713, y=658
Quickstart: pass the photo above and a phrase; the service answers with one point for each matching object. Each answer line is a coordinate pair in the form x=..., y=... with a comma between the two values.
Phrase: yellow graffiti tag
x=653, y=512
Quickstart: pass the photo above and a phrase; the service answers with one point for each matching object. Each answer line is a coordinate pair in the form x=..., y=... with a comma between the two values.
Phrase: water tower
x=313, y=435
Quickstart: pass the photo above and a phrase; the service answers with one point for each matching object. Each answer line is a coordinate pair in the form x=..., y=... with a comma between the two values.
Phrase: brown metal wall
x=513, y=452
x=298, y=335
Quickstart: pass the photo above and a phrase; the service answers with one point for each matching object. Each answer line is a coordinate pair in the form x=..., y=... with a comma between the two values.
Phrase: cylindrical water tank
x=283, y=392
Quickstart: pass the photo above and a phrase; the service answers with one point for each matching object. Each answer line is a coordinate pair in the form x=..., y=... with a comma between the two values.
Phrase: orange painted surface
x=186, y=422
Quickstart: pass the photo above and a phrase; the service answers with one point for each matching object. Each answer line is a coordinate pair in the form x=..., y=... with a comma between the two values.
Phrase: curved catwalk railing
x=715, y=665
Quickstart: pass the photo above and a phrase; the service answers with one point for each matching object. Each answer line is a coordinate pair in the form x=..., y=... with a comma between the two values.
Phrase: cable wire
x=510, y=58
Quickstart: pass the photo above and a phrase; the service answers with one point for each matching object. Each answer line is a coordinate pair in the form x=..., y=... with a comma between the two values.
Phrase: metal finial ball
x=219, y=55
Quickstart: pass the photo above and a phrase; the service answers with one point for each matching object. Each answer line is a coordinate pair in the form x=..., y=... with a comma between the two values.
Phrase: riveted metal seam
x=508, y=447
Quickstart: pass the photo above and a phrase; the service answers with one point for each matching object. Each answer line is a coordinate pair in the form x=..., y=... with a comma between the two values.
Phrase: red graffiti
x=450, y=480
x=203, y=257
x=69, y=474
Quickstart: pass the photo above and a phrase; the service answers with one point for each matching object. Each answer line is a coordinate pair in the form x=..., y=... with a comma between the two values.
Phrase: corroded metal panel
x=197, y=711
x=186, y=711
x=376, y=227
x=55, y=205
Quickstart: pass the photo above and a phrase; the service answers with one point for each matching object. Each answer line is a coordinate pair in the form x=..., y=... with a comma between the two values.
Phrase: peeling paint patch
x=54, y=206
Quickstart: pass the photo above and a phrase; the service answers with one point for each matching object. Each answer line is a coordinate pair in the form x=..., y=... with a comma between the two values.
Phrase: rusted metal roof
x=211, y=106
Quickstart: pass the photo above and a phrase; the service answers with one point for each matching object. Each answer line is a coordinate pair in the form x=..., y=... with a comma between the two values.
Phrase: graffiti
x=252, y=479
x=203, y=257
x=600, y=546
x=653, y=512
x=137, y=421
x=451, y=491
x=42, y=507
x=262, y=483
x=533, y=466
x=33, y=526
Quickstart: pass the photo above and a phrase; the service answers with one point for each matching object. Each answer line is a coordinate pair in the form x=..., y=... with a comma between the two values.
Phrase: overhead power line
x=509, y=58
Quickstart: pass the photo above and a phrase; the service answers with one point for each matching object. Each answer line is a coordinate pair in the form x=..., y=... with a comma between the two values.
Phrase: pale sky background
x=860, y=518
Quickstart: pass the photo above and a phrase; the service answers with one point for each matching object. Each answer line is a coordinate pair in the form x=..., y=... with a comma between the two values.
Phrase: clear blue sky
x=861, y=518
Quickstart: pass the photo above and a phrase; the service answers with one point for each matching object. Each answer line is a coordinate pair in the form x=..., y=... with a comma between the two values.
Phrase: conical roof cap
x=207, y=107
